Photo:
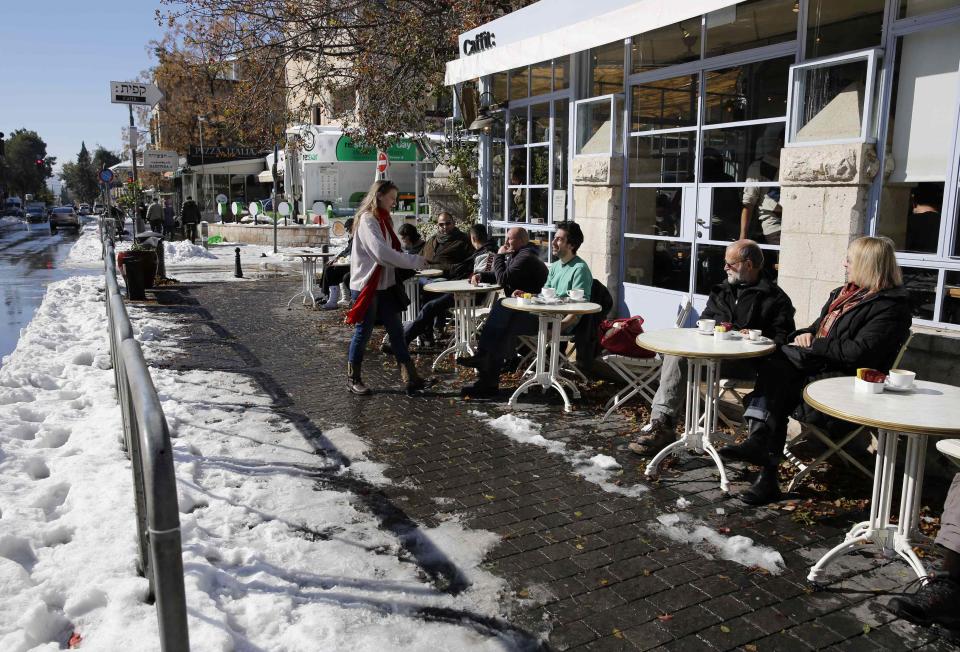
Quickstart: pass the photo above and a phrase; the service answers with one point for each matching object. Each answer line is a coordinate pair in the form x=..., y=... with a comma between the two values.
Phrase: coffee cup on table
x=755, y=334
x=548, y=293
x=576, y=294
x=706, y=325
x=901, y=378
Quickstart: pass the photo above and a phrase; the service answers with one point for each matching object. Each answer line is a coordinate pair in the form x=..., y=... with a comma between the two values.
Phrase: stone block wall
x=597, y=197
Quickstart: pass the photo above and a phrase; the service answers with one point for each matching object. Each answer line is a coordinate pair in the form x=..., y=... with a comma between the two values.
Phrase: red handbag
x=620, y=336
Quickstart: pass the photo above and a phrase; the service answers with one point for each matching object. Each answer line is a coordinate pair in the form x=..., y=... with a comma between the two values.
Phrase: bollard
x=204, y=234
x=237, y=272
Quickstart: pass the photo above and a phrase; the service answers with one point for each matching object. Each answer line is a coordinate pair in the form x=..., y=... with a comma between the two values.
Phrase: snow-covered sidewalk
x=279, y=553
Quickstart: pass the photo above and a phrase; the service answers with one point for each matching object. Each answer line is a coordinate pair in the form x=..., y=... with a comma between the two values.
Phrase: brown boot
x=658, y=436
x=411, y=379
x=354, y=384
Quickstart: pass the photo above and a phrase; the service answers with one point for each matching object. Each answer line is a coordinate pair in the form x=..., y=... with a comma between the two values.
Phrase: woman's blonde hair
x=873, y=264
x=369, y=203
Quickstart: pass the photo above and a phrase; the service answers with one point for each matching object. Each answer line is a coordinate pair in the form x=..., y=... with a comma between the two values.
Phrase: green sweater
x=573, y=275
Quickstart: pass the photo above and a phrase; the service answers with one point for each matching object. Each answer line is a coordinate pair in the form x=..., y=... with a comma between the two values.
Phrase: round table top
x=312, y=254
x=928, y=409
x=573, y=308
x=430, y=273
x=459, y=286
x=690, y=343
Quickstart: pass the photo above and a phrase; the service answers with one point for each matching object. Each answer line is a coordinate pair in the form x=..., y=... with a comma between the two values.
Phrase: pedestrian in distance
x=374, y=260
x=169, y=221
x=155, y=216
x=190, y=217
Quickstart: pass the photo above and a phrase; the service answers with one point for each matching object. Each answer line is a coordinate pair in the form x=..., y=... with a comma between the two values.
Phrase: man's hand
x=518, y=293
x=474, y=279
x=803, y=340
x=504, y=249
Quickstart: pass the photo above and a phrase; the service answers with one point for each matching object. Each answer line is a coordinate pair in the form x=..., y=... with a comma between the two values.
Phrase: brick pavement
x=587, y=570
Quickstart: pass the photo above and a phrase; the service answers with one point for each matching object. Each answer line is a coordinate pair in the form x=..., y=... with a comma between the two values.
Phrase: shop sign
x=402, y=151
x=222, y=153
x=479, y=43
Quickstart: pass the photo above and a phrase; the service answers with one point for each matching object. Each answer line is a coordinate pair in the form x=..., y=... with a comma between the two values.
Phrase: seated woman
x=336, y=278
x=863, y=324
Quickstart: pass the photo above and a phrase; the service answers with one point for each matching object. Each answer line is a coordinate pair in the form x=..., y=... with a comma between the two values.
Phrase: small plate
x=888, y=386
x=762, y=340
x=700, y=332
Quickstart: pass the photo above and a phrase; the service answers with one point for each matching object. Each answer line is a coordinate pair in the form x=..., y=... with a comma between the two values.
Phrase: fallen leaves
x=665, y=618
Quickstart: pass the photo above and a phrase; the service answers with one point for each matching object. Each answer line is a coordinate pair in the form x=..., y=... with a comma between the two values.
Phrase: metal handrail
x=146, y=440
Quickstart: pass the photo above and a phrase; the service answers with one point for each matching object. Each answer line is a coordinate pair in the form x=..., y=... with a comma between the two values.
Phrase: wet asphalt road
x=30, y=259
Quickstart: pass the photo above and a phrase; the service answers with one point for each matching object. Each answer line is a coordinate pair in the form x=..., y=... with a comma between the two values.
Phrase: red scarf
x=847, y=299
x=369, y=291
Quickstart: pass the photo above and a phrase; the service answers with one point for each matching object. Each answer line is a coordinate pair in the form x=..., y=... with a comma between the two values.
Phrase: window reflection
x=654, y=211
x=665, y=104
x=734, y=151
x=540, y=78
x=539, y=123
x=518, y=127
x=659, y=263
x=540, y=165
x=726, y=213
x=710, y=269
x=834, y=27
x=921, y=285
x=750, y=24
x=676, y=43
x=519, y=78
x=561, y=109
x=751, y=92
x=951, y=298
x=606, y=69
x=662, y=159
x=539, y=205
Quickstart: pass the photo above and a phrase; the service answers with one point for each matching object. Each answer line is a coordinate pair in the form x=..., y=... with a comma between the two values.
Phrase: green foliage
x=23, y=149
x=81, y=177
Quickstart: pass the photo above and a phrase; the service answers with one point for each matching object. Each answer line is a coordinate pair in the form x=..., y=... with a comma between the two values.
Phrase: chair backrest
x=685, y=311
x=903, y=350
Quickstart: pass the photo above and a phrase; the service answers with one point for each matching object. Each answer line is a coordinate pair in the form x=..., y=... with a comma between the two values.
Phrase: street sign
x=382, y=162
x=134, y=93
x=106, y=175
x=155, y=160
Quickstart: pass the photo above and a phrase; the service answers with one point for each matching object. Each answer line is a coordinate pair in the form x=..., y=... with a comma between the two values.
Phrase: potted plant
x=139, y=267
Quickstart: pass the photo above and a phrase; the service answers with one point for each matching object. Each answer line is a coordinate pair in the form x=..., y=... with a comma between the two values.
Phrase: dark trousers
x=778, y=392
x=427, y=317
x=190, y=232
x=334, y=276
x=499, y=338
x=384, y=309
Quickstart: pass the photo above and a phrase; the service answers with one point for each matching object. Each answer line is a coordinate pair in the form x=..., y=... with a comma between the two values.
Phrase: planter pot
x=139, y=269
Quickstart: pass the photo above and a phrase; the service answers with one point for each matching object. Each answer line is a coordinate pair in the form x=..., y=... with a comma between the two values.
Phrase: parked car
x=36, y=213
x=64, y=216
x=98, y=208
x=84, y=209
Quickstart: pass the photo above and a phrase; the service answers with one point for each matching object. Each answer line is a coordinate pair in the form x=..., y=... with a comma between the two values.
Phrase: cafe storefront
x=669, y=129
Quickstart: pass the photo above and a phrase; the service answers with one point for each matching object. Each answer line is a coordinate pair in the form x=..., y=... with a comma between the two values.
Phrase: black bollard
x=237, y=272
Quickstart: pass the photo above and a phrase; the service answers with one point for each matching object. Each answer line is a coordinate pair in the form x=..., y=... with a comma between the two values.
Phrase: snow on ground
x=281, y=551
x=597, y=469
x=709, y=543
x=181, y=250
x=9, y=220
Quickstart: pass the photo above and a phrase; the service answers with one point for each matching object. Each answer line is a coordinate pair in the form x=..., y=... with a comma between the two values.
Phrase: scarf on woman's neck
x=369, y=291
x=846, y=300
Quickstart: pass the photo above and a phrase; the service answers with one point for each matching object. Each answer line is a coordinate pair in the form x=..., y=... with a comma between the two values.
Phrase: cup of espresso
x=755, y=334
x=548, y=293
x=901, y=378
x=706, y=325
x=576, y=295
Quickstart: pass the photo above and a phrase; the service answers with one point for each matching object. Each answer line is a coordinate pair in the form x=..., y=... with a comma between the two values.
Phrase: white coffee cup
x=755, y=334
x=576, y=294
x=901, y=378
x=548, y=293
x=706, y=325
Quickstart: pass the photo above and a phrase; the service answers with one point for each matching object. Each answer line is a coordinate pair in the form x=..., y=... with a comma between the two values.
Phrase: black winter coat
x=466, y=268
x=763, y=306
x=522, y=270
x=870, y=334
x=444, y=256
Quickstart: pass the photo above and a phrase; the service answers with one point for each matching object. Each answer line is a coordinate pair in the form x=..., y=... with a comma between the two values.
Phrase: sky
x=57, y=59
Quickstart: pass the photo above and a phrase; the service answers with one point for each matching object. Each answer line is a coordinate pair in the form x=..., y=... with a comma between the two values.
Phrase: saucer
x=892, y=388
x=762, y=340
x=700, y=332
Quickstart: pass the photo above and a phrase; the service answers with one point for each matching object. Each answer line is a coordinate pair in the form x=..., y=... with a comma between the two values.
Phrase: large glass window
x=914, y=8
x=606, y=69
x=667, y=46
x=665, y=103
x=750, y=92
x=657, y=263
x=750, y=24
x=834, y=27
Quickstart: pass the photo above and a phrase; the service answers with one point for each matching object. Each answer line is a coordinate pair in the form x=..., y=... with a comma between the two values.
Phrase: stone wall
x=597, y=197
x=287, y=236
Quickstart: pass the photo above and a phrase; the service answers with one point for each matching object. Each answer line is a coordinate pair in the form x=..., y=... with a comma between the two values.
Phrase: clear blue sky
x=57, y=59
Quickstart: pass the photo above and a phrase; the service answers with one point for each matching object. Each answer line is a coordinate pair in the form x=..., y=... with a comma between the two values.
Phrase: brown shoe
x=659, y=436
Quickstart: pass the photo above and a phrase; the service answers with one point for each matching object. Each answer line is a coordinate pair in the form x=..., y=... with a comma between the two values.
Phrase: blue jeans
x=385, y=309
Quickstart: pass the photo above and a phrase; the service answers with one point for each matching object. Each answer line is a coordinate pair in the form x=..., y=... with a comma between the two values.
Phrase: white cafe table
x=464, y=312
x=547, y=370
x=308, y=261
x=703, y=354
x=929, y=409
x=412, y=288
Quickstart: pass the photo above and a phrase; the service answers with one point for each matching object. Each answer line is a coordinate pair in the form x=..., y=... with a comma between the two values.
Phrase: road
x=30, y=259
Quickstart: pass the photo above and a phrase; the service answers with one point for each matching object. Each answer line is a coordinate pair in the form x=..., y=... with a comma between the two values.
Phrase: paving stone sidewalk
x=589, y=568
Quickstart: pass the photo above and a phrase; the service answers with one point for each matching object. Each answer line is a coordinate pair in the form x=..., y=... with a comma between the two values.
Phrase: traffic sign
x=382, y=162
x=106, y=175
x=134, y=93
x=155, y=160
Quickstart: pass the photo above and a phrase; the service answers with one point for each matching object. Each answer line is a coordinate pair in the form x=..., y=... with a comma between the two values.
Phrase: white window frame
x=796, y=93
x=615, y=119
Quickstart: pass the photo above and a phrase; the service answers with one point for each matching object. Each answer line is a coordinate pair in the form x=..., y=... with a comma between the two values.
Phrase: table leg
x=309, y=281
x=463, y=313
x=411, y=287
x=696, y=436
x=546, y=373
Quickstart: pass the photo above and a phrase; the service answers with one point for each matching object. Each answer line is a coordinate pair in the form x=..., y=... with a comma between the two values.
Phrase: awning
x=554, y=28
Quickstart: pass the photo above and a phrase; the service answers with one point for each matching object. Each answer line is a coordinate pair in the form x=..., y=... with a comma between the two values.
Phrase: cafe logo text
x=479, y=43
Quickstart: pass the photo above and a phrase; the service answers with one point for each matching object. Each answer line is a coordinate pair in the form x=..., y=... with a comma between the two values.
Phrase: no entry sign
x=382, y=162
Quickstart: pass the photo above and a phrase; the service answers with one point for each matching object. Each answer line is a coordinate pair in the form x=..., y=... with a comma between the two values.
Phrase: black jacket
x=870, y=334
x=467, y=267
x=444, y=256
x=190, y=212
x=763, y=305
x=522, y=270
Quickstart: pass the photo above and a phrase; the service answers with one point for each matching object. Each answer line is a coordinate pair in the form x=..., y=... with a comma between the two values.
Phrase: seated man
x=410, y=239
x=748, y=301
x=864, y=323
x=936, y=601
x=448, y=248
x=481, y=260
x=498, y=339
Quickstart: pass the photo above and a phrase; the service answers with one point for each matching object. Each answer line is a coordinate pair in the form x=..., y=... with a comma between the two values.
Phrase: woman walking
x=374, y=259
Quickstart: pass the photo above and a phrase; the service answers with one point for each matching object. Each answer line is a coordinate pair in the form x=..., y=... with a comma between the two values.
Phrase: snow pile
x=182, y=250
x=708, y=542
x=283, y=547
x=87, y=249
x=682, y=503
x=596, y=469
x=10, y=220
